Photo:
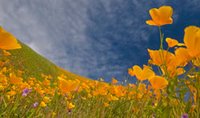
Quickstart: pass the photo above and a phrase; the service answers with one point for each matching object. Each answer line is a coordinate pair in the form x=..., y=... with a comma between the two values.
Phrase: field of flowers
x=167, y=87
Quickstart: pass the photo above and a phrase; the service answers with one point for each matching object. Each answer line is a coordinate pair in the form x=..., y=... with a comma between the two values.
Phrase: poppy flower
x=158, y=82
x=161, y=57
x=14, y=79
x=114, y=81
x=67, y=86
x=106, y=104
x=131, y=72
x=141, y=74
x=8, y=41
x=192, y=40
x=171, y=42
x=160, y=16
x=182, y=56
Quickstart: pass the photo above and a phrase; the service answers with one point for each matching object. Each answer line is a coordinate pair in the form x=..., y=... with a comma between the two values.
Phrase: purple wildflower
x=35, y=104
x=185, y=115
x=25, y=92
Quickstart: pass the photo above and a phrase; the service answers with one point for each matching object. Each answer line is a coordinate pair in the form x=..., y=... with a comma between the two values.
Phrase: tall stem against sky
x=161, y=38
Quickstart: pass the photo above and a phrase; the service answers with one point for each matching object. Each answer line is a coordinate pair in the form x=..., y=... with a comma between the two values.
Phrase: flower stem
x=161, y=38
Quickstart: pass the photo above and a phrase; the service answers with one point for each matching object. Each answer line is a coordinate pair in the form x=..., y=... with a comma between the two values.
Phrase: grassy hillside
x=34, y=65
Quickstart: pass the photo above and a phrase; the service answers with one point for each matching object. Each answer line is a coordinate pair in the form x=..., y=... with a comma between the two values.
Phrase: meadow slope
x=33, y=64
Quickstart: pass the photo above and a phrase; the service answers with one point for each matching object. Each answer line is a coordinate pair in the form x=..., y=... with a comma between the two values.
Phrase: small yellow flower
x=83, y=98
x=43, y=104
x=53, y=114
x=89, y=95
x=46, y=82
x=160, y=16
x=70, y=105
x=114, y=81
x=142, y=87
x=1, y=87
x=112, y=98
x=196, y=62
x=132, y=85
x=46, y=99
x=11, y=93
x=6, y=53
x=105, y=104
x=8, y=97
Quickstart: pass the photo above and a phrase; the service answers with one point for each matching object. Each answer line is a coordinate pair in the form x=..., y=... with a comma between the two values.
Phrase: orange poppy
x=171, y=42
x=158, y=82
x=141, y=74
x=8, y=41
x=192, y=40
x=160, y=16
x=160, y=57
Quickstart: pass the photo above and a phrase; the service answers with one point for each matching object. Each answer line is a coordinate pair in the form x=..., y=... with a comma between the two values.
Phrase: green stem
x=162, y=56
x=161, y=38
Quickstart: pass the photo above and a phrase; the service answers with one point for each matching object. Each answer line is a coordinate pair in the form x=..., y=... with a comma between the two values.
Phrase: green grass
x=33, y=64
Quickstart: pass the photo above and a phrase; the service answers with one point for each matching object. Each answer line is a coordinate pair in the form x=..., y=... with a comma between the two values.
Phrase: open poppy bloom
x=67, y=86
x=182, y=56
x=192, y=40
x=160, y=57
x=171, y=42
x=8, y=41
x=158, y=82
x=141, y=74
x=160, y=16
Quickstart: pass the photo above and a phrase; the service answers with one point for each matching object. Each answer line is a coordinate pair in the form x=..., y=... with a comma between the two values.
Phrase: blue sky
x=94, y=38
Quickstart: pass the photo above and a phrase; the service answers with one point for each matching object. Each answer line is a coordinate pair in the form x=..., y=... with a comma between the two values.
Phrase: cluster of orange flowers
x=171, y=64
x=12, y=84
